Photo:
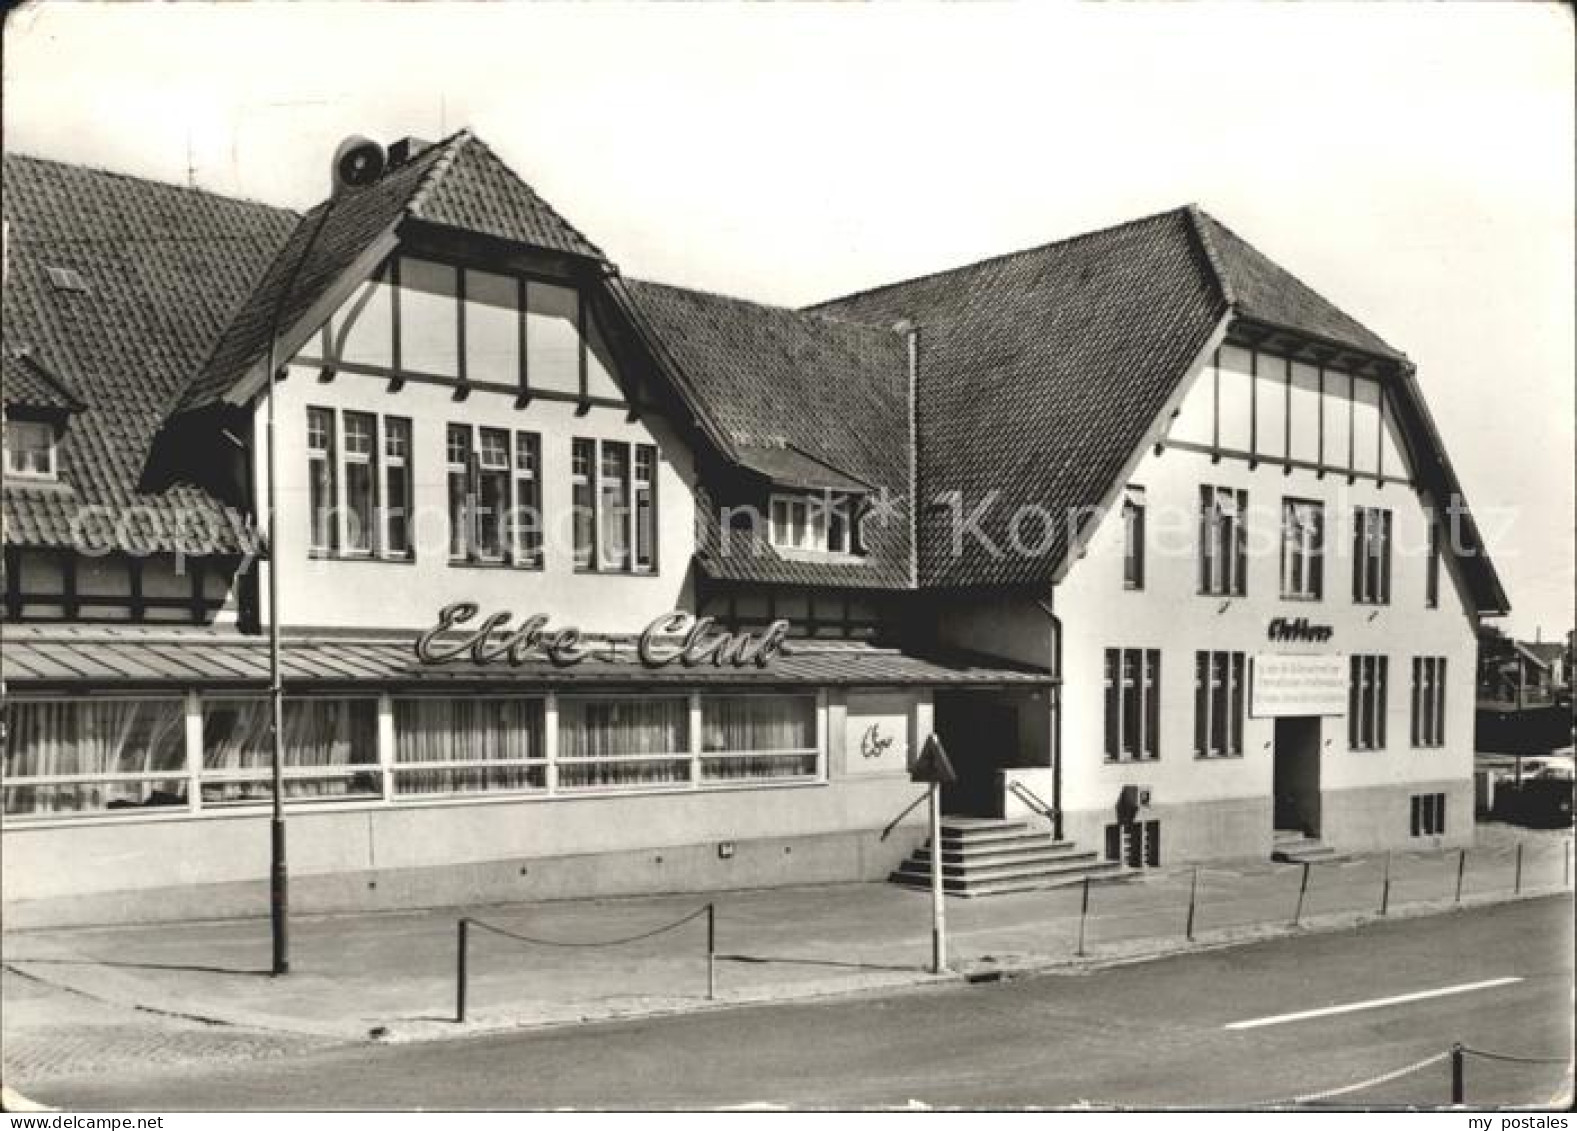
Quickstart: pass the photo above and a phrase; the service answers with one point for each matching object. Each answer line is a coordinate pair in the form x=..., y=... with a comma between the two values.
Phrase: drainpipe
x=1056, y=716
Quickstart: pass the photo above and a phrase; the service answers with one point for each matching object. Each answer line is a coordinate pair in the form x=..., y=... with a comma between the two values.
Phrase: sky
x=1412, y=162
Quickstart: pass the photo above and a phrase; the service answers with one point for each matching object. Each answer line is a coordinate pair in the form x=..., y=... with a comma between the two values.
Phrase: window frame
x=513, y=549
x=1220, y=690
x=1223, y=538
x=1372, y=539
x=338, y=459
x=815, y=515
x=1132, y=688
x=51, y=450
x=590, y=555
x=1428, y=712
x=1133, y=537
x=1305, y=550
x=1367, y=694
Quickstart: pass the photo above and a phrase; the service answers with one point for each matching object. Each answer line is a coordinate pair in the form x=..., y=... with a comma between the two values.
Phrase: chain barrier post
x=1566, y=862
x=1084, y=911
x=461, y=938
x=1461, y=868
x=1303, y=889
x=1193, y=896
x=1517, y=890
x=711, y=952
x=1458, y=1083
x=1385, y=887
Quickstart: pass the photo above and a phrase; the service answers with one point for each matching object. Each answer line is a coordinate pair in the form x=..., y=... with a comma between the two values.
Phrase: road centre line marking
x=1373, y=1003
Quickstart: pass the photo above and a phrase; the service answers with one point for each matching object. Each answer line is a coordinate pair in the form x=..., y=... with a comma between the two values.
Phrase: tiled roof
x=458, y=182
x=1265, y=292
x=27, y=384
x=42, y=657
x=163, y=267
x=1039, y=374
x=773, y=378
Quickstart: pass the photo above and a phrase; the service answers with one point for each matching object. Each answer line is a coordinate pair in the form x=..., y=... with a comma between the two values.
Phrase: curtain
x=782, y=727
x=92, y=737
x=619, y=730
x=327, y=733
x=468, y=731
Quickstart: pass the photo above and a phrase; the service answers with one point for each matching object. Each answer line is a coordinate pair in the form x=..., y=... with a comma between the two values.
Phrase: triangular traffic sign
x=932, y=765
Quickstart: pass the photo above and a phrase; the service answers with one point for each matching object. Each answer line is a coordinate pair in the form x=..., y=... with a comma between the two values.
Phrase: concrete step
x=973, y=871
x=1312, y=852
x=1004, y=836
x=1028, y=846
x=1024, y=879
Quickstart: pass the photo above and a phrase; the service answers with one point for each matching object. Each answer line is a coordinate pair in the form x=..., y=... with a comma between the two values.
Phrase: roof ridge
x=1001, y=257
x=1196, y=221
x=808, y=313
x=118, y=174
x=450, y=147
x=544, y=201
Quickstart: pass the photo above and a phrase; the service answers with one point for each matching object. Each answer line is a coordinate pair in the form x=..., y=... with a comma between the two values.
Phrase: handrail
x=1032, y=799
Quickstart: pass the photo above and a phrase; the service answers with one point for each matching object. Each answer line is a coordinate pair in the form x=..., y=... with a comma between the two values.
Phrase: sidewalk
x=391, y=976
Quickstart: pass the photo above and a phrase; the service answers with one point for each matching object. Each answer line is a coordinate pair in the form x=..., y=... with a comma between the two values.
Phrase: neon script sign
x=673, y=638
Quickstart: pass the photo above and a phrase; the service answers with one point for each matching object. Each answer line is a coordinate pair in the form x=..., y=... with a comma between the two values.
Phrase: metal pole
x=1385, y=887
x=1193, y=895
x=711, y=952
x=938, y=906
x=278, y=869
x=1303, y=888
x=1518, y=889
x=1566, y=862
x=1084, y=911
x=1458, y=1081
x=462, y=939
x=1461, y=868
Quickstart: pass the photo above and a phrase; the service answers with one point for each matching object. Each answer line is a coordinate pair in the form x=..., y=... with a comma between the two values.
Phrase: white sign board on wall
x=877, y=735
x=1285, y=685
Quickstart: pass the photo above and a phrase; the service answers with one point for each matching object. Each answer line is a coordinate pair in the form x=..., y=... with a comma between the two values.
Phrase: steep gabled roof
x=162, y=270
x=458, y=182
x=1040, y=373
x=797, y=397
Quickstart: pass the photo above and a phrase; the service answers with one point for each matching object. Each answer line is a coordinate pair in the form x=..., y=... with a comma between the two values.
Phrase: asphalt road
x=1143, y=1035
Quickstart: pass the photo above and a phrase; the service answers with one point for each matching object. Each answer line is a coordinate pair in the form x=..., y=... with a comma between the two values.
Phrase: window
x=93, y=756
x=495, y=501
x=608, y=524
x=1133, y=709
x=1133, y=538
x=468, y=745
x=30, y=449
x=1222, y=542
x=320, y=476
x=343, y=455
x=1371, y=559
x=1432, y=570
x=1218, y=704
x=1366, y=703
x=758, y=737
x=1428, y=814
x=1302, y=550
x=623, y=743
x=331, y=750
x=1135, y=843
x=817, y=524
x=1429, y=701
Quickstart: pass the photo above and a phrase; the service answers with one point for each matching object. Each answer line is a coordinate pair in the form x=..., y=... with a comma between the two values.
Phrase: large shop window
x=623, y=743
x=1218, y=704
x=1133, y=704
x=758, y=737
x=1371, y=556
x=613, y=492
x=353, y=508
x=467, y=745
x=1302, y=550
x=331, y=750
x=495, y=496
x=1223, y=542
x=1366, y=703
x=93, y=756
x=1429, y=701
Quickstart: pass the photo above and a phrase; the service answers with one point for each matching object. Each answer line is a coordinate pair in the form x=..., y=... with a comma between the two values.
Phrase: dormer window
x=814, y=524
x=30, y=450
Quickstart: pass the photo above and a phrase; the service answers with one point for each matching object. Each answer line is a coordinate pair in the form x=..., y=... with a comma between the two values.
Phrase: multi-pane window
x=493, y=496
x=353, y=508
x=1366, y=703
x=1428, y=814
x=613, y=492
x=815, y=523
x=1432, y=570
x=30, y=449
x=1133, y=704
x=1371, y=560
x=1302, y=550
x=1218, y=704
x=1429, y=700
x=1223, y=542
x=1133, y=538
x=320, y=480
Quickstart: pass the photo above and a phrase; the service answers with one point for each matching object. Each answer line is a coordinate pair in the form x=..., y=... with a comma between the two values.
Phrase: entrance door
x=1297, y=775
x=981, y=737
